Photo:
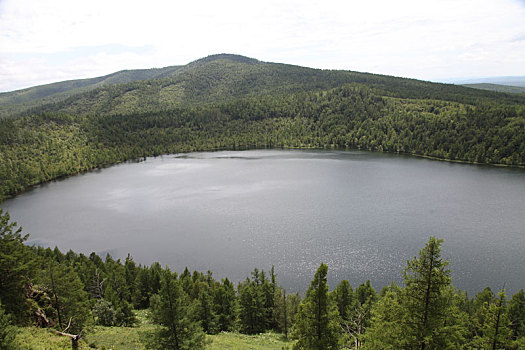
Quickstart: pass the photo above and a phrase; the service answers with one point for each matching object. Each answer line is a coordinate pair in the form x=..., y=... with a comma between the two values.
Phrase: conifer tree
x=517, y=314
x=68, y=298
x=252, y=313
x=204, y=310
x=171, y=311
x=387, y=330
x=17, y=266
x=344, y=298
x=282, y=312
x=317, y=326
x=130, y=269
x=428, y=299
x=225, y=301
x=491, y=321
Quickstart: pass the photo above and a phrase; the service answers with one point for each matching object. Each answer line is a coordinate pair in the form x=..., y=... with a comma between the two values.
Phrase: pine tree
x=282, y=312
x=68, y=298
x=426, y=314
x=130, y=277
x=316, y=326
x=491, y=322
x=225, y=301
x=252, y=313
x=17, y=266
x=344, y=298
x=387, y=330
x=172, y=312
x=428, y=299
x=204, y=310
x=517, y=314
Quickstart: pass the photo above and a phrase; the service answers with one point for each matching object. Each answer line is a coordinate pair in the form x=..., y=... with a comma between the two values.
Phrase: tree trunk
x=285, y=316
x=427, y=295
x=496, y=328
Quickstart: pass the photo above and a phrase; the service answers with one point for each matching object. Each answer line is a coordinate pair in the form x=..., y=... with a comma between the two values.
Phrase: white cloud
x=428, y=39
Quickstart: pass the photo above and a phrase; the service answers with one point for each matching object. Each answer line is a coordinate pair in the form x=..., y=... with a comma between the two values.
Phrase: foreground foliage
x=77, y=294
x=126, y=338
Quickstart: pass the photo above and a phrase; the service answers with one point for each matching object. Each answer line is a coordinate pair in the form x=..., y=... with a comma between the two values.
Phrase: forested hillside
x=235, y=102
x=16, y=102
x=221, y=108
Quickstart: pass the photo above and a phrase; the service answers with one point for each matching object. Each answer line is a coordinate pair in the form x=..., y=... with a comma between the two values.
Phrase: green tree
x=344, y=298
x=426, y=314
x=204, y=309
x=17, y=268
x=252, y=313
x=124, y=315
x=359, y=319
x=130, y=277
x=282, y=312
x=225, y=301
x=387, y=330
x=428, y=300
x=317, y=321
x=491, y=321
x=516, y=311
x=171, y=310
x=104, y=312
x=68, y=298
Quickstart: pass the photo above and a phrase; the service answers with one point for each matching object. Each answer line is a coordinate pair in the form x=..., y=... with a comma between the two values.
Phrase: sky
x=44, y=41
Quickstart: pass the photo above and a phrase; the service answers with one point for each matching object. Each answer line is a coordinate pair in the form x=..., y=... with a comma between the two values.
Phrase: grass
x=124, y=338
x=236, y=341
x=32, y=338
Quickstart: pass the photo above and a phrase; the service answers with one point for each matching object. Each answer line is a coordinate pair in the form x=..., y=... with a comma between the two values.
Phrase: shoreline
x=143, y=158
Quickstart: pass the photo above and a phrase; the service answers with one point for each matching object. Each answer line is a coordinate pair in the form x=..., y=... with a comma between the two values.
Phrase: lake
x=364, y=214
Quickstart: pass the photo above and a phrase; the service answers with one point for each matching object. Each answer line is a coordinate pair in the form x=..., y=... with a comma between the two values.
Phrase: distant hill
x=209, y=80
x=498, y=88
x=509, y=80
x=59, y=91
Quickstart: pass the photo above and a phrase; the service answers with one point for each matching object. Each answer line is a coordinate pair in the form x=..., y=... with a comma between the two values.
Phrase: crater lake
x=364, y=214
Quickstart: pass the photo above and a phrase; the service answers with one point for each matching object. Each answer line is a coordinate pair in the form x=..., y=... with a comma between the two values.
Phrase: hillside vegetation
x=235, y=102
x=20, y=100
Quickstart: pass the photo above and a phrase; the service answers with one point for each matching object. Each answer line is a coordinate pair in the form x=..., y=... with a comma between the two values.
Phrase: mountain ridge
x=215, y=79
x=498, y=87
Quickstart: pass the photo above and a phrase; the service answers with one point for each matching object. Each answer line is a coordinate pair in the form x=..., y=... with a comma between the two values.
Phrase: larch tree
x=225, y=301
x=172, y=311
x=317, y=321
x=428, y=300
x=17, y=266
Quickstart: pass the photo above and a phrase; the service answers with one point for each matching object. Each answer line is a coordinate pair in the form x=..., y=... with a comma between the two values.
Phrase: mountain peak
x=225, y=56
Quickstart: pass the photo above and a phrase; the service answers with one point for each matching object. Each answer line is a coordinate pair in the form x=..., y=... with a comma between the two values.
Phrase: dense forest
x=231, y=102
x=71, y=292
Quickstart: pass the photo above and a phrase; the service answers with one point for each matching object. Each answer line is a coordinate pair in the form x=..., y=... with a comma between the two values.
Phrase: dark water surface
x=364, y=214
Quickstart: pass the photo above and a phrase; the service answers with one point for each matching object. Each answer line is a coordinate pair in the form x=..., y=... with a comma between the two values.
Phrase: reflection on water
x=363, y=214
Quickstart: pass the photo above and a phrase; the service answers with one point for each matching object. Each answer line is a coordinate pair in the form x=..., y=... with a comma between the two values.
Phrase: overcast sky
x=43, y=41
